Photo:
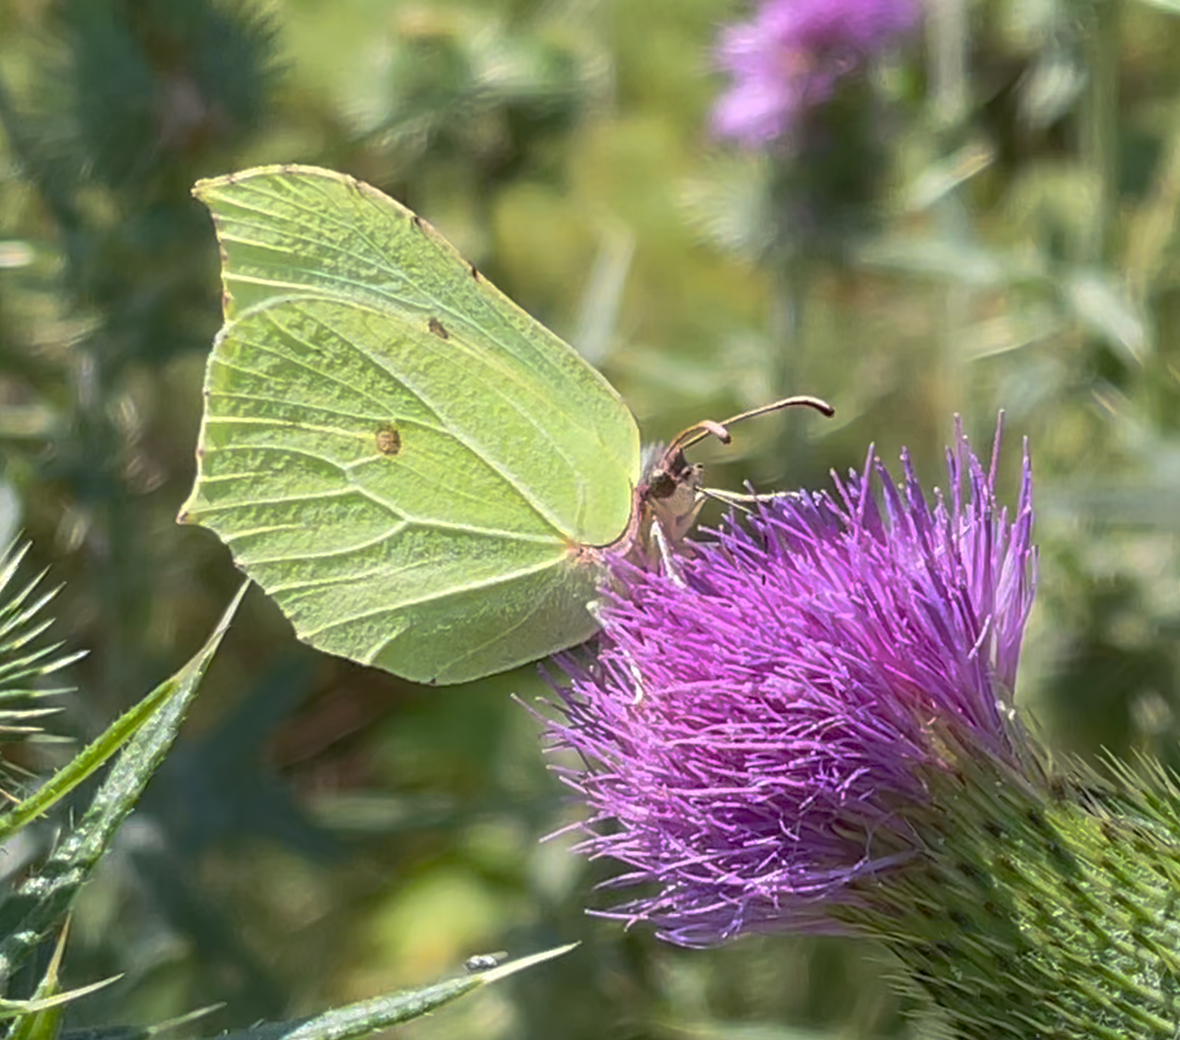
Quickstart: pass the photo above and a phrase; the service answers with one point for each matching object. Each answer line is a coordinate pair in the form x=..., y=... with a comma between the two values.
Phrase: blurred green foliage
x=1000, y=233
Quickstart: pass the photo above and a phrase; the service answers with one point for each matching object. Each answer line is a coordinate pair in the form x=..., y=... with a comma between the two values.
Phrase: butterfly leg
x=594, y=608
x=636, y=678
x=671, y=568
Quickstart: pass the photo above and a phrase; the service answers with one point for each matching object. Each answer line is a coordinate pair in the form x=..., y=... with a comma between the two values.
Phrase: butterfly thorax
x=668, y=495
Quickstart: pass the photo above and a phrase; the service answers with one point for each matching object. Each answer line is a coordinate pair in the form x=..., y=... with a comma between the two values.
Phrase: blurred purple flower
x=757, y=732
x=789, y=57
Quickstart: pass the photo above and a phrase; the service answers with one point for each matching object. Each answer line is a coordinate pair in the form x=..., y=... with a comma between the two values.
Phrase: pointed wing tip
x=211, y=191
x=207, y=185
x=187, y=514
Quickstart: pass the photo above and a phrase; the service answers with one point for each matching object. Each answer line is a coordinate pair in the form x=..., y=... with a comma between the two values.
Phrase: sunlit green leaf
x=1098, y=300
x=1171, y=6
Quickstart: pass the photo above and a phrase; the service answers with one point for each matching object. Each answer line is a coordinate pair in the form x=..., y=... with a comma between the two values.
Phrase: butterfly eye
x=662, y=485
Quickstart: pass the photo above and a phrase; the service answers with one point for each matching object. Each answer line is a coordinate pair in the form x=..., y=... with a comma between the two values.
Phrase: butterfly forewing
x=401, y=456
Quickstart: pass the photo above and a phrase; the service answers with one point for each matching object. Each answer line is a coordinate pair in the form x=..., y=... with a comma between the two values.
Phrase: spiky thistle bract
x=27, y=658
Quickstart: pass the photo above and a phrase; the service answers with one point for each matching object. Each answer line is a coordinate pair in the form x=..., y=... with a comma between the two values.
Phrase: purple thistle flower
x=791, y=55
x=757, y=732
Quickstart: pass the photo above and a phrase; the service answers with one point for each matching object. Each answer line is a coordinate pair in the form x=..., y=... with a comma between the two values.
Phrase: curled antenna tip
x=719, y=430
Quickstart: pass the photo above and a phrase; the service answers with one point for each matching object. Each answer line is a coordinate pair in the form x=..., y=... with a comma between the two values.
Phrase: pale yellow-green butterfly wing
x=417, y=471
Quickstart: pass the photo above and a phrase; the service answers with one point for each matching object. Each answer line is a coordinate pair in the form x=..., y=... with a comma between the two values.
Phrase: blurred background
x=981, y=216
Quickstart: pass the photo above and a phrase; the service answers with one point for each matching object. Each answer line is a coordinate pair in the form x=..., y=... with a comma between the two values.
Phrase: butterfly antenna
x=697, y=433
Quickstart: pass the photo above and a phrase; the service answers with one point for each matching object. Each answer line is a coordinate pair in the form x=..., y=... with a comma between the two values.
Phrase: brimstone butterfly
x=420, y=474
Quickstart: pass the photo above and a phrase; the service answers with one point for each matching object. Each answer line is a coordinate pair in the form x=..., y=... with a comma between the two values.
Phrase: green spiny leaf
x=39, y=903
x=40, y=1017
x=367, y=1016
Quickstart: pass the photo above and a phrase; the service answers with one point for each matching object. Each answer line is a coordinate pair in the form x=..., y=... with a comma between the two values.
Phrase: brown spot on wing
x=389, y=439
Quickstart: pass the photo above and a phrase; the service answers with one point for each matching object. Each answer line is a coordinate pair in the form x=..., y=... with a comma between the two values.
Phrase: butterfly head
x=671, y=494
